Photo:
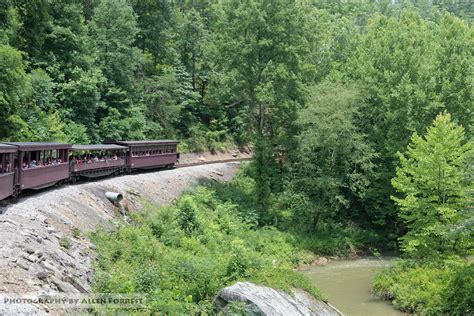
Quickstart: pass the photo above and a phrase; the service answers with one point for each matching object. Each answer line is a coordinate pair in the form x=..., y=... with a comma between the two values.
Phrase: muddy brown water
x=347, y=285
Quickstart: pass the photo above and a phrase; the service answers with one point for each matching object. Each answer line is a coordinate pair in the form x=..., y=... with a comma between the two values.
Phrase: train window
x=6, y=163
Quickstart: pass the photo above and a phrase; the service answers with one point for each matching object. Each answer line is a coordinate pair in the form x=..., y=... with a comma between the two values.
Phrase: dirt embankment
x=44, y=248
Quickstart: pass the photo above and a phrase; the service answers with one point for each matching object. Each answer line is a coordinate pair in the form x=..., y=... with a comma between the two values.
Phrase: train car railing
x=41, y=176
x=97, y=165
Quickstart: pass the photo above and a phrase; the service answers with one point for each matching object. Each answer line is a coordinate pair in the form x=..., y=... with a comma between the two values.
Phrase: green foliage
x=13, y=84
x=428, y=288
x=113, y=29
x=261, y=56
x=77, y=134
x=435, y=191
x=9, y=23
x=291, y=212
x=343, y=240
x=181, y=255
x=76, y=232
x=404, y=66
x=459, y=292
x=65, y=243
x=334, y=163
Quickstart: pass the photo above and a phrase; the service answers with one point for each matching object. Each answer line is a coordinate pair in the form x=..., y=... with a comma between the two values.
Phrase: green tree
x=114, y=30
x=9, y=23
x=14, y=85
x=434, y=191
x=35, y=22
x=193, y=36
x=410, y=72
x=260, y=57
x=161, y=95
x=454, y=76
x=157, y=27
x=334, y=162
x=43, y=90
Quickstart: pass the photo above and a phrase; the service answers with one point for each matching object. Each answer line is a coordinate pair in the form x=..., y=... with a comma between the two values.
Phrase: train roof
x=4, y=148
x=38, y=145
x=98, y=147
x=145, y=142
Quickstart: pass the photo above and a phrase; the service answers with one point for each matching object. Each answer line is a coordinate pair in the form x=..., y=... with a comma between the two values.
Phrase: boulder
x=262, y=300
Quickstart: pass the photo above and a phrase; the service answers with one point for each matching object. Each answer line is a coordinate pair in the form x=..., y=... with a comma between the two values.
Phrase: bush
x=428, y=288
x=460, y=292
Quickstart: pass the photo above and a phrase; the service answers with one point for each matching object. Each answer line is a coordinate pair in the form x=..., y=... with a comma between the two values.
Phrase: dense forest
x=359, y=113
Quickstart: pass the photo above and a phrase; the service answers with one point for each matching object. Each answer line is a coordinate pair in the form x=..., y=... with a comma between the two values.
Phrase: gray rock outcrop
x=262, y=300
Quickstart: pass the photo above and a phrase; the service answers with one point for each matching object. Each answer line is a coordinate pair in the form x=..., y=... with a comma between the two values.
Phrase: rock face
x=262, y=300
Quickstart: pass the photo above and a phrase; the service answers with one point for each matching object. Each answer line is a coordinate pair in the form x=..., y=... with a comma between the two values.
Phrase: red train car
x=41, y=164
x=149, y=154
x=7, y=170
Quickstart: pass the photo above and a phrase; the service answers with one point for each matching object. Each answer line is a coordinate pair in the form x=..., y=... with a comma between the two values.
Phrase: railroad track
x=210, y=162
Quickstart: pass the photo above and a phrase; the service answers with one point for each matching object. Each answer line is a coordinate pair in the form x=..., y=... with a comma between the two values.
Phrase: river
x=347, y=285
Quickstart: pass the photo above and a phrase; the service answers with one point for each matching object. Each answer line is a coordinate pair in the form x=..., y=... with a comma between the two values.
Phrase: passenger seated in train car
x=96, y=157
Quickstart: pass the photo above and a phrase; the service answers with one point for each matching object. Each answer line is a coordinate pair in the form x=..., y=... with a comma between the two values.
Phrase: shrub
x=428, y=288
x=460, y=292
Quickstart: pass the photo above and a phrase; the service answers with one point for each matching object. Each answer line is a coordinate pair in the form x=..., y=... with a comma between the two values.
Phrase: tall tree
x=410, y=74
x=156, y=21
x=9, y=23
x=454, y=75
x=433, y=182
x=14, y=85
x=114, y=30
x=261, y=60
x=334, y=161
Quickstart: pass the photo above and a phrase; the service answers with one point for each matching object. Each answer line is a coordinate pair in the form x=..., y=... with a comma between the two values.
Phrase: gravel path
x=31, y=257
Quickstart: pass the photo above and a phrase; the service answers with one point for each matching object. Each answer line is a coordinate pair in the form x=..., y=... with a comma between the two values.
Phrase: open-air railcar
x=93, y=161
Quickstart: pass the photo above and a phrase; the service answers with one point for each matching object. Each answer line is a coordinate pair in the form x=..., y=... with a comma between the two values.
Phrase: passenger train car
x=29, y=165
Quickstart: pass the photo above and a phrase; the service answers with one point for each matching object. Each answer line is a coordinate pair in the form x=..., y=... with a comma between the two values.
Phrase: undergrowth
x=180, y=256
x=435, y=287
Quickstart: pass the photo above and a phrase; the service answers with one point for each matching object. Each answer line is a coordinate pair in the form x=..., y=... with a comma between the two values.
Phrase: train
x=37, y=165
